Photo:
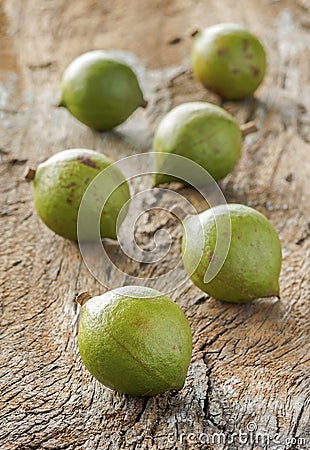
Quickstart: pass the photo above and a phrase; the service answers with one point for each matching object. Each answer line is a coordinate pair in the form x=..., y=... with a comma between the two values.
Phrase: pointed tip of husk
x=277, y=290
x=82, y=298
x=60, y=104
x=144, y=103
x=275, y=293
x=30, y=173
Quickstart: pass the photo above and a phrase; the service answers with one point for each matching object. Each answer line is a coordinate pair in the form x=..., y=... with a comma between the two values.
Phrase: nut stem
x=248, y=128
x=30, y=173
x=82, y=298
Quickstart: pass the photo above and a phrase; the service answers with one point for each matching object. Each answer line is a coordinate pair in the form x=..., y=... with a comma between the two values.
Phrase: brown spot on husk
x=245, y=45
x=255, y=70
x=87, y=162
x=222, y=51
x=70, y=185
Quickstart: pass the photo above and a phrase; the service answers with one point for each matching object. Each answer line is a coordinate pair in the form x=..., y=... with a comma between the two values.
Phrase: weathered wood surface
x=250, y=367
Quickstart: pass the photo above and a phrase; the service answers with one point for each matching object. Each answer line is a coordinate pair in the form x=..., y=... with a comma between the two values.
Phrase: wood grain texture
x=250, y=365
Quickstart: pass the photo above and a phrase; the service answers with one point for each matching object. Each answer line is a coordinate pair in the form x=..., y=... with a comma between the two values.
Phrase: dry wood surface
x=250, y=368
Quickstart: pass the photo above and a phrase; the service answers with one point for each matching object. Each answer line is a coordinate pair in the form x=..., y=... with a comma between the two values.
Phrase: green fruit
x=100, y=91
x=228, y=60
x=252, y=267
x=202, y=132
x=60, y=183
x=135, y=340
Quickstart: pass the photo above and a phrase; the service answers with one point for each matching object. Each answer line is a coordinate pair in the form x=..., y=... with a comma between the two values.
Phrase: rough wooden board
x=251, y=362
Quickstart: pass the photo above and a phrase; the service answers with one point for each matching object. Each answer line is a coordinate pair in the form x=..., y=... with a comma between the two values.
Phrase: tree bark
x=248, y=382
